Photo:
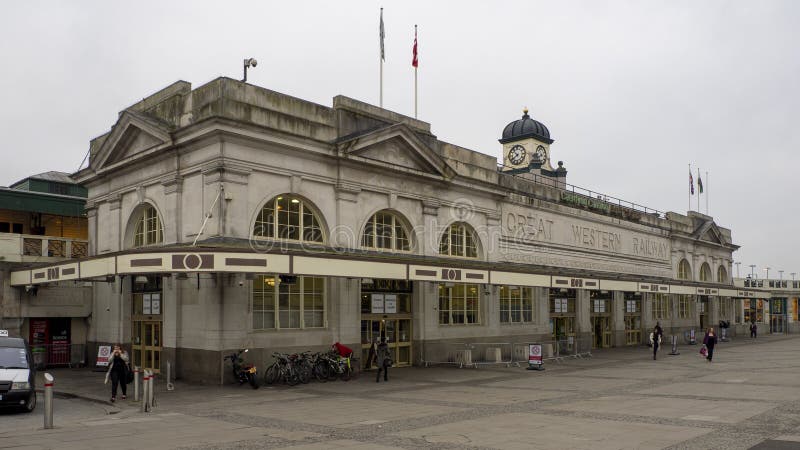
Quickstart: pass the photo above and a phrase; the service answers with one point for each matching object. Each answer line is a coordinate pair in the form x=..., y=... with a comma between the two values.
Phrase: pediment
x=709, y=232
x=133, y=135
x=397, y=147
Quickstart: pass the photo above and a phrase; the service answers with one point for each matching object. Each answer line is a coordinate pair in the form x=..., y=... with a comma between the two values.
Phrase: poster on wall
x=390, y=303
x=377, y=304
x=146, y=308
x=155, y=303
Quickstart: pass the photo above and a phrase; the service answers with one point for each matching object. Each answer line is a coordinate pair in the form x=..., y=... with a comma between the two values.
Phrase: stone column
x=618, y=318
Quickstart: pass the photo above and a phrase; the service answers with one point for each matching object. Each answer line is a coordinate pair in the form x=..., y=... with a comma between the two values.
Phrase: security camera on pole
x=249, y=62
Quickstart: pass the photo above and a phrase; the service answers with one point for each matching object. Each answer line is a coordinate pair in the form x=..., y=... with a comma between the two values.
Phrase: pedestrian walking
x=710, y=340
x=655, y=339
x=118, y=372
x=753, y=330
x=383, y=360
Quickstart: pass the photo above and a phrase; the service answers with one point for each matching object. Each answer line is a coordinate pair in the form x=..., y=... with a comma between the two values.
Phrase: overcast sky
x=632, y=91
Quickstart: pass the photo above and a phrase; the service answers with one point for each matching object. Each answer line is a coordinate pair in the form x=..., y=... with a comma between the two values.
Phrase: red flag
x=414, y=60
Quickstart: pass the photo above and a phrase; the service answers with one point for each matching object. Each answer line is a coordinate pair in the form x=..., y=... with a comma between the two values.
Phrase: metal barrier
x=459, y=354
x=55, y=355
x=475, y=354
x=486, y=353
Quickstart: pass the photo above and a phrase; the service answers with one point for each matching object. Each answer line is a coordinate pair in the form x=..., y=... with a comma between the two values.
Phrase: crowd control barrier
x=469, y=354
x=58, y=355
x=476, y=354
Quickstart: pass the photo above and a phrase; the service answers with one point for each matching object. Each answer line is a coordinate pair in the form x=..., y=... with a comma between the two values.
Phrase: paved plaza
x=618, y=399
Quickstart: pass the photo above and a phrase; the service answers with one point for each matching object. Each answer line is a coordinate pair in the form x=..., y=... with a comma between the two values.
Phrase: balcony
x=30, y=248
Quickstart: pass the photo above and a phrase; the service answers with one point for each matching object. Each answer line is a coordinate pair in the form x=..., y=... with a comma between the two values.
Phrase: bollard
x=136, y=383
x=674, y=351
x=48, y=401
x=145, y=383
x=170, y=386
x=150, y=391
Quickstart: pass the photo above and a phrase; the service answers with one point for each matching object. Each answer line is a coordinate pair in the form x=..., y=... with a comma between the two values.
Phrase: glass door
x=147, y=345
x=146, y=324
x=397, y=333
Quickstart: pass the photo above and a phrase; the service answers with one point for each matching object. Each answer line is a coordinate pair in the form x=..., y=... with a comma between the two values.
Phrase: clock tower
x=526, y=145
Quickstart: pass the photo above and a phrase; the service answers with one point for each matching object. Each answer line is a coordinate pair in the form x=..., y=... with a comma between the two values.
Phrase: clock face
x=516, y=154
x=540, y=154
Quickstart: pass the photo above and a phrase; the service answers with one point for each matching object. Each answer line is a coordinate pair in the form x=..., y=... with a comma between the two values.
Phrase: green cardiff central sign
x=572, y=198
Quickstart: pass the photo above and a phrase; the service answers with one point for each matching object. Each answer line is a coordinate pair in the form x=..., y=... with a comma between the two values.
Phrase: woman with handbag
x=118, y=372
x=710, y=341
x=384, y=361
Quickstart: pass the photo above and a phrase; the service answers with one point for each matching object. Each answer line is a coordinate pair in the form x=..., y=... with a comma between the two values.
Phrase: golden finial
x=525, y=110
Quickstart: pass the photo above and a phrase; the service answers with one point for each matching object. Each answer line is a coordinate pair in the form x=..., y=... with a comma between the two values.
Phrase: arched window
x=705, y=272
x=290, y=218
x=385, y=230
x=722, y=275
x=148, y=230
x=684, y=270
x=459, y=240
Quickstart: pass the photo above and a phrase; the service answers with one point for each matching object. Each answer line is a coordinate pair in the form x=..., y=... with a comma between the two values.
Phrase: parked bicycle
x=283, y=370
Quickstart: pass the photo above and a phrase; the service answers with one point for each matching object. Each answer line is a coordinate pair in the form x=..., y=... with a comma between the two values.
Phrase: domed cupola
x=526, y=128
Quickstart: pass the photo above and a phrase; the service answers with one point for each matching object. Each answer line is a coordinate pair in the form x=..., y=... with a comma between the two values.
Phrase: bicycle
x=282, y=369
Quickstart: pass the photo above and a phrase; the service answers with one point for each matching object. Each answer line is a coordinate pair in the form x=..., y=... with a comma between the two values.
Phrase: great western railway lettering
x=529, y=227
x=648, y=247
x=596, y=238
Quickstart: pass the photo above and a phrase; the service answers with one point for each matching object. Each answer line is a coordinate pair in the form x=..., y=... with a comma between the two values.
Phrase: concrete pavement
x=621, y=398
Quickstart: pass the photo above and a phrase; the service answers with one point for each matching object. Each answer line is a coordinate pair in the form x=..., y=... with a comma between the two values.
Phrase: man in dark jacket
x=383, y=361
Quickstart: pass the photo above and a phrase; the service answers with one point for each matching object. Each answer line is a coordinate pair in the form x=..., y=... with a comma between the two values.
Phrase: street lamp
x=752, y=270
x=737, y=264
x=766, y=269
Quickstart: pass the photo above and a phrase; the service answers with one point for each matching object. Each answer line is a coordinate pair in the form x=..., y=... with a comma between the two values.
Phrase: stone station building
x=231, y=216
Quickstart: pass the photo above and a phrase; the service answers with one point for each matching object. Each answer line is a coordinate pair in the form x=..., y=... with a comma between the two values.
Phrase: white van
x=17, y=374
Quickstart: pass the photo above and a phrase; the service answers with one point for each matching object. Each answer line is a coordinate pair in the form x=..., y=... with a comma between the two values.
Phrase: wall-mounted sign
x=377, y=304
x=390, y=303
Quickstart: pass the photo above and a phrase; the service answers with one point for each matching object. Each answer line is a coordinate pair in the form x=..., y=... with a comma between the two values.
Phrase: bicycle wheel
x=333, y=370
x=320, y=371
x=290, y=376
x=304, y=373
x=347, y=372
x=272, y=374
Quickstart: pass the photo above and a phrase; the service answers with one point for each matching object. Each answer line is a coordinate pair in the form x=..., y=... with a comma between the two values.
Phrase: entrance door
x=397, y=333
x=146, y=324
x=601, y=332
x=633, y=330
x=147, y=344
x=564, y=333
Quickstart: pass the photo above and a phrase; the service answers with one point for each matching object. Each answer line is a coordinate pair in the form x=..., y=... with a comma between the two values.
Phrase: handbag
x=128, y=375
x=703, y=351
x=388, y=362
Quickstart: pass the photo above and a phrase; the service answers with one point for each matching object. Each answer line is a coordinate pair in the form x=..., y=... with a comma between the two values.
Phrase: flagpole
x=381, y=58
x=706, y=189
x=415, y=73
x=698, y=191
x=691, y=187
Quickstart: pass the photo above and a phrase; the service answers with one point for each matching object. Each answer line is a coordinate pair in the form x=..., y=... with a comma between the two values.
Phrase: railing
x=587, y=198
x=476, y=354
x=25, y=247
x=56, y=355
